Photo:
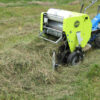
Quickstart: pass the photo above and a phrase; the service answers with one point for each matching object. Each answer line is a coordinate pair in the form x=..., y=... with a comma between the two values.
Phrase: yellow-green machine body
x=80, y=24
x=76, y=26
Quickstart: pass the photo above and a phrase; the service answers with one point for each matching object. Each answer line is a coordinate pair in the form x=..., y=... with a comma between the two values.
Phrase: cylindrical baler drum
x=54, y=22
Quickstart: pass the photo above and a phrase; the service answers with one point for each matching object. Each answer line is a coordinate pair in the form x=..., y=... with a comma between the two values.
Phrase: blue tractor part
x=96, y=23
x=95, y=26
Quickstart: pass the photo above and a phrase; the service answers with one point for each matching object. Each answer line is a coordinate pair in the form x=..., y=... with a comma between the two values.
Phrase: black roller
x=97, y=41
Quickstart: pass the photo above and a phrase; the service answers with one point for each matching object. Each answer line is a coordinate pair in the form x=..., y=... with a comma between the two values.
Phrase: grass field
x=25, y=60
x=14, y=1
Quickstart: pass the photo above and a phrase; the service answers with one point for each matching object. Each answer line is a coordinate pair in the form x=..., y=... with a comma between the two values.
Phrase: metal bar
x=82, y=6
x=53, y=60
x=93, y=2
x=55, y=42
x=79, y=37
x=52, y=29
x=98, y=10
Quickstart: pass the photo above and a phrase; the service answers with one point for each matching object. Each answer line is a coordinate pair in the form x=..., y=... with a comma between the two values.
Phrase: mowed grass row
x=16, y=25
x=25, y=60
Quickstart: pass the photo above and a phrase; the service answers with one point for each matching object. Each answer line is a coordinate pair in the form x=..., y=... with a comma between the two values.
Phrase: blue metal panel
x=95, y=22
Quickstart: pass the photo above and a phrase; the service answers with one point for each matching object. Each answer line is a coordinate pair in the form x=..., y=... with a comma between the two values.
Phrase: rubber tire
x=73, y=59
x=97, y=41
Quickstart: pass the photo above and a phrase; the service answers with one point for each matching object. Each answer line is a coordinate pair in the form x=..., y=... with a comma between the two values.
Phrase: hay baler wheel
x=73, y=58
x=97, y=41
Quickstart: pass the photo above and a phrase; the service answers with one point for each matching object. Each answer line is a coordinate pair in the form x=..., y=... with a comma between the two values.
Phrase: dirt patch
x=75, y=2
x=2, y=5
x=42, y=3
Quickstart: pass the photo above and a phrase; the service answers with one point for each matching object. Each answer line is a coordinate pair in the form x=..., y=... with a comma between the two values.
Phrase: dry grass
x=25, y=61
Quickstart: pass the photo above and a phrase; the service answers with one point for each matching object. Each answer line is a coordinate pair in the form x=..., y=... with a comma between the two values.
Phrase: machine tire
x=97, y=41
x=73, y=59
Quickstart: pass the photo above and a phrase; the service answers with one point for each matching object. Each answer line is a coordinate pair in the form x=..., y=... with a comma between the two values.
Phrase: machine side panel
x=41, y=22
x=87, y=30
x=74, y=25
x=68, y=28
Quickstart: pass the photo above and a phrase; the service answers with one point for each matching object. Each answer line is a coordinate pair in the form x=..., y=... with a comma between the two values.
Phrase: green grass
x=14, y=1
x=25, y=60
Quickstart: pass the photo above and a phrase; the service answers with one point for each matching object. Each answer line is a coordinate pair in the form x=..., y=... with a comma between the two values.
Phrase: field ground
x=25, y=60
x=25, y=1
